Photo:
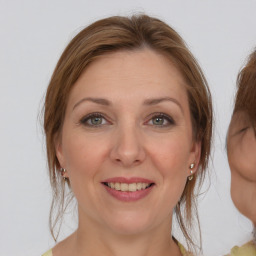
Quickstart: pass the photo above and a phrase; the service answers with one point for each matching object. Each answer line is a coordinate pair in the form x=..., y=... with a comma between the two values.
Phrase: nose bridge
x=128, y=148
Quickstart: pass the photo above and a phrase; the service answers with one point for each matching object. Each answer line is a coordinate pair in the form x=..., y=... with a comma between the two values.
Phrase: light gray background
x=32, y=36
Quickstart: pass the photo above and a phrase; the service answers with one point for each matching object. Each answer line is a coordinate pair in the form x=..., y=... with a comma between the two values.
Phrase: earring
x=63, y=171
x=190, y=177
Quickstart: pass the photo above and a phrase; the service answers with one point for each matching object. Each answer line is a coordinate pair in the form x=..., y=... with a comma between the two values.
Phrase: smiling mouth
x=125, y=187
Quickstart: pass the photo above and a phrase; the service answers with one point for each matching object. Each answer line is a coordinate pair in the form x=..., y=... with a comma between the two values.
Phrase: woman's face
x=128, y=127
x=241, y=146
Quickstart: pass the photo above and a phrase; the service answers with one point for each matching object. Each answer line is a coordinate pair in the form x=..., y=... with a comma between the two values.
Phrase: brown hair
x=246, y=93
x=124, y=33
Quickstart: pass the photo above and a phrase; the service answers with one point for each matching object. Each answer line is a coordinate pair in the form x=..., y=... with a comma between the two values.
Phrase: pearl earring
x=63, y=171
x=191, y=176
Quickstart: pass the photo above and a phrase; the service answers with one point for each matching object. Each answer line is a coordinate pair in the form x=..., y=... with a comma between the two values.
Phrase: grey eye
x=95, y=120
x=161, y=120
x=158, y=120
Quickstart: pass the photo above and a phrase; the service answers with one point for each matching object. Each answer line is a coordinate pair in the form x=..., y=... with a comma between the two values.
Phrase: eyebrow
x=159, y=100
x=99, y=101
x=148, y=102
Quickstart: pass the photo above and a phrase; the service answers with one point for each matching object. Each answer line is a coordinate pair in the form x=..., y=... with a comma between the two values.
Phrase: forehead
x=142, y=73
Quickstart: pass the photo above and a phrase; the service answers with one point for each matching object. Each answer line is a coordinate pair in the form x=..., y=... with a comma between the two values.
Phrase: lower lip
x=128, y=196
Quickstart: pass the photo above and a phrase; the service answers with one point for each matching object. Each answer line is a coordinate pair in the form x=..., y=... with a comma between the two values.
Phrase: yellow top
x=48, y=253
x=182, y=249
x=248, y=249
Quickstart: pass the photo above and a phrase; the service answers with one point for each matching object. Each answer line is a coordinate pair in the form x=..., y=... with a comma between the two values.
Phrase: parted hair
x=121, y=34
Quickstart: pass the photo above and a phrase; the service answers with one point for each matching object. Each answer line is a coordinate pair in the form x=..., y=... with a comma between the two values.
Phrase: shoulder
x=248, y=249
x=48, y=253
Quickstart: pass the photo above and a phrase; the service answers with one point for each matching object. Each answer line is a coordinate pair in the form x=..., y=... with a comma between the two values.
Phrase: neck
x=93, y=239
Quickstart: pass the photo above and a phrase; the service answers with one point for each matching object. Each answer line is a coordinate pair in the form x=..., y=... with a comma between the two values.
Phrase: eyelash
x=244, y=129
x=85, y=119
x=164, y=116
x=88, y=117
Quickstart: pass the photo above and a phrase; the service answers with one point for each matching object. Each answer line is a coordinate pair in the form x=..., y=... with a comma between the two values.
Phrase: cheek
x=171, y=159
x=235, y=192
x=248, y=148
x=233, y=158
x=83, y=156
x=171, y=156
x=241, y=157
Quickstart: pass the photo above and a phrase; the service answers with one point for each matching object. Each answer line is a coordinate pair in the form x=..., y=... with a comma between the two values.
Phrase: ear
x=195, y=154
x=59, y=151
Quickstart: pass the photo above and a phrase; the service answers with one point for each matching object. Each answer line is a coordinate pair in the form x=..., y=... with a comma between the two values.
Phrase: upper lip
x=127, y=180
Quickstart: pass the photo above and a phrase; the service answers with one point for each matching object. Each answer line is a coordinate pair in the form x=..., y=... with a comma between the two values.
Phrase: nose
x=128, y=149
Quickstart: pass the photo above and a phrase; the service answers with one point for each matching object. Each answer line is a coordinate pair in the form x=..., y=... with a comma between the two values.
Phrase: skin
x=128, y=142
x=241, y=145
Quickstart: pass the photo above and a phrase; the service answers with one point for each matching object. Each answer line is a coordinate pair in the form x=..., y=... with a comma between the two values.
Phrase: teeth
x=132, y=187
x=117, y=186
x=139, y=186
x=128, y=187
x=124, y=187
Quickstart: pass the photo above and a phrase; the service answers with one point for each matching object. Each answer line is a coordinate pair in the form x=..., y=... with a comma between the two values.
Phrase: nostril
x=127, y=154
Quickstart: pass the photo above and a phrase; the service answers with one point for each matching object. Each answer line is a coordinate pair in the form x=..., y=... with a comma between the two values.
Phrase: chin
x=130, y=224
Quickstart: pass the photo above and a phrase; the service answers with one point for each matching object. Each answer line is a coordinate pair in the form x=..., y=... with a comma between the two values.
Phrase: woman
x=241, y=148
x=128, y=124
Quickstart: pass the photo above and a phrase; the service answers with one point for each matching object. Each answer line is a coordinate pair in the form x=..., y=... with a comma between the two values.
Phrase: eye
x=244, y=129
x=161, y=120
x=240, y=131
x=94, y=120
